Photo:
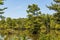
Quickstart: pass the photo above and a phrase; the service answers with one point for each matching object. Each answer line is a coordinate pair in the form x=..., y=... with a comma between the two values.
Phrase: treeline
x=35, y=23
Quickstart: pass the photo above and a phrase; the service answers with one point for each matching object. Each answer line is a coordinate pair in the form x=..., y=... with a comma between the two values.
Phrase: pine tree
x=56, y=7
x=2, y=9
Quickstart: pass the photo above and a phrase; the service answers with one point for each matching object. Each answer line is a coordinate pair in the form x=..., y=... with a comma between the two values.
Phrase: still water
x=13, y=38
x=1, y=38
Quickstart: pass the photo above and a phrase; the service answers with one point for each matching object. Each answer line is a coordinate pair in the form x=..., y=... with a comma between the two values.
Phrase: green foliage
x=56, y=7
x=1, y=2
x=2, y=10
x=57, y=1
x=36, y=26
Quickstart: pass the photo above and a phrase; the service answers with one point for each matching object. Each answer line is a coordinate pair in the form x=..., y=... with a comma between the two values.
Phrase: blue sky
x=17, y=8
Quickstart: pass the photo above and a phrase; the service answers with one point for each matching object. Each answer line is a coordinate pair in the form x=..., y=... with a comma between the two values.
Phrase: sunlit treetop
x=57, y=1
x=1, y=2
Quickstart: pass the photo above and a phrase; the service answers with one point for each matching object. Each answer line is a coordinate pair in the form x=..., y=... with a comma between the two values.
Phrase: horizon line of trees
x=33, y=25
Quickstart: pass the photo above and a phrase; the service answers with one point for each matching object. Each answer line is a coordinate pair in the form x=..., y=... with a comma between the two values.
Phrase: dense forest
x=37, y=26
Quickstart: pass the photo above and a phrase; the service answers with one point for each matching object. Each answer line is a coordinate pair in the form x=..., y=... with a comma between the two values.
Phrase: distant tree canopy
x=34, y=24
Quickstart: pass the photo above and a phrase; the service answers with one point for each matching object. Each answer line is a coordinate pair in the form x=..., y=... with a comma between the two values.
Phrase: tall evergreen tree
x=2, y=21
x=34, y=18
x=33, y=13
x=2, y=9
x=56, y=7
